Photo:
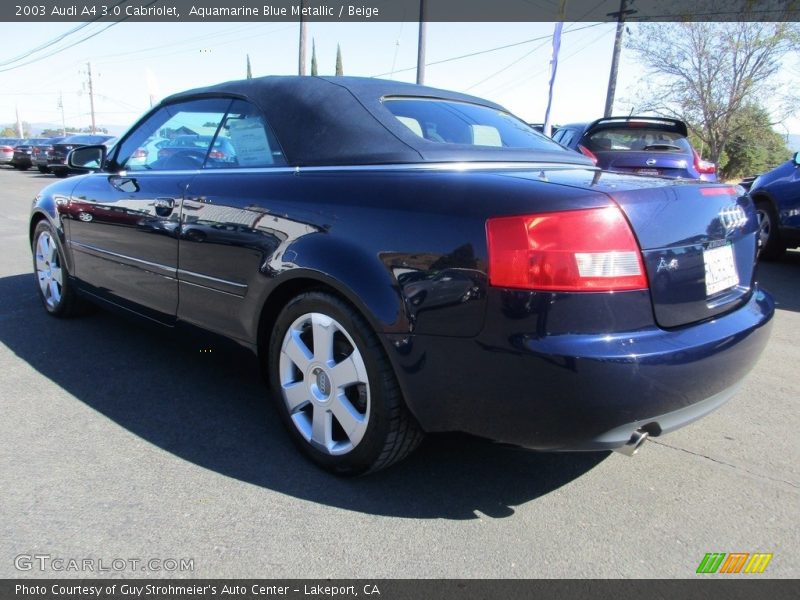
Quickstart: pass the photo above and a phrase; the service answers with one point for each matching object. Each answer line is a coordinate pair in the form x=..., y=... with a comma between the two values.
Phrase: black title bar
x=702, y=587
x=397, y=10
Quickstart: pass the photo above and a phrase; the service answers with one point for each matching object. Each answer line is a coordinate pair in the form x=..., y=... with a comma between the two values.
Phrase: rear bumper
x=579, y=392
x=659, y=424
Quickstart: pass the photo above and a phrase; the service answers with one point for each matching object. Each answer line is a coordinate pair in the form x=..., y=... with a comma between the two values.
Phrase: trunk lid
x=698, y=240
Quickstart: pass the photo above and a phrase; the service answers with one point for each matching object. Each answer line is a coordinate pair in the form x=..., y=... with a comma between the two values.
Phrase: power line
x=517, y=82
x=134, y=57
x=84, y=39
x=508, y=66
x=54, y=41
x=61, y=49
x=488, y=50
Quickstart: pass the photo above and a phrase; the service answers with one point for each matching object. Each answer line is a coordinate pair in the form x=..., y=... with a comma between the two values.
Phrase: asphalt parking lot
x=121, y=442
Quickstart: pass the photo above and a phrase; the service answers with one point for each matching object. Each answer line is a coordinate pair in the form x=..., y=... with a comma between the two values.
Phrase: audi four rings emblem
x=732, y=217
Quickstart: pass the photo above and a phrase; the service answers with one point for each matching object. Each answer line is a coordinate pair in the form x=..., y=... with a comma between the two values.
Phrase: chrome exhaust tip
x=638, y=438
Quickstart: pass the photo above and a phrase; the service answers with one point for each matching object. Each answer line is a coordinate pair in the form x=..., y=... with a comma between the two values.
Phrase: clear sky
x=132, y=61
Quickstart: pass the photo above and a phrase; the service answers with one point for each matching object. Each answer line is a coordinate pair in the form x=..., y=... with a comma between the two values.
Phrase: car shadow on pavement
x=782, y=279
x=208, y=405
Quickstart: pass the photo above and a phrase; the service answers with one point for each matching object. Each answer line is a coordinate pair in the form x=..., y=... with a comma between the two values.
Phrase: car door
x=232, y=224
x=123, y=222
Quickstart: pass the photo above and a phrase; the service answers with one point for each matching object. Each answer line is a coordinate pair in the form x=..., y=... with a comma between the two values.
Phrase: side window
x=244, y=141
x=177, y=137
x=567, y=137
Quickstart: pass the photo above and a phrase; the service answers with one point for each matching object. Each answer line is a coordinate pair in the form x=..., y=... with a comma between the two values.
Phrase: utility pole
x=20, y=133
x=421, y=44
x=91, y=96
x=612, y=78
x=301, y=64
x=63, y=118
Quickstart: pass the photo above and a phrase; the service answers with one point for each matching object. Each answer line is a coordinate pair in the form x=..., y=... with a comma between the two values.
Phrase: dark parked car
x=776, y=195
x=221, y=151
x=57, y=159
x=642, y=145
x=7, y=146
x=23, y=153
x=40, y=154
x=405, y=259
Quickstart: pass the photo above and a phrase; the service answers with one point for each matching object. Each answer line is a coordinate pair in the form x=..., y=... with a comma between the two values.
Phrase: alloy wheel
x=324, y=383
x=48, y=270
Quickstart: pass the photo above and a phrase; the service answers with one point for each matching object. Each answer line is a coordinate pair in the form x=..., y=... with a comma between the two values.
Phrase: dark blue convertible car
x=777, y=198
x=406, y=259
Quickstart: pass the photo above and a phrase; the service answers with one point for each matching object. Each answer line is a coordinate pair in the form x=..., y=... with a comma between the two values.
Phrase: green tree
x=754, y=147
x=97, y=130
x=313, y=58
x=707, y=73
x=339, y=69
x=11, y=130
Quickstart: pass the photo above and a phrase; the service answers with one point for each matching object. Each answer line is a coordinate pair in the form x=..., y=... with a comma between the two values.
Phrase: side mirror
x=796, y=158
x=87, y=157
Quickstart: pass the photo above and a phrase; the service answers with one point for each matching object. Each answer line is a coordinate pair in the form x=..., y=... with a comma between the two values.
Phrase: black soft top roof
x=342, y=121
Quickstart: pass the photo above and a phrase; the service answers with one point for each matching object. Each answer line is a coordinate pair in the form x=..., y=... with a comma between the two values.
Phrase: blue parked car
x=654, y=146
x=776, y=195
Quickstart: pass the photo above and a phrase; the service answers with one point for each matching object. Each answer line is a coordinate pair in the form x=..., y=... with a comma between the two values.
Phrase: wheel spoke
x=55, y=273
x=41, y=265
x=44, y=246
x=346, y=373
x=323, y=329
x=44, y=282
x=322, y=428
x=296, y=396
x=53, y=252
x=55, y=293
x=353, y=423
x=296, y=350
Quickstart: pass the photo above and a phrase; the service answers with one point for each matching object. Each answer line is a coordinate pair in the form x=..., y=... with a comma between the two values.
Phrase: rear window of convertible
x=454, y=122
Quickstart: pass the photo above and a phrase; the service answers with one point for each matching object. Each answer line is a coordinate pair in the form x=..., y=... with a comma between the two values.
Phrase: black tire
x=43, y=170
x=60, y=173
x=62, y=300
x=385, y=429
x=771, y=246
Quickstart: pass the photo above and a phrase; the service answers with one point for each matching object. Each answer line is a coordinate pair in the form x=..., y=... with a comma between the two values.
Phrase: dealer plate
x=721, y=272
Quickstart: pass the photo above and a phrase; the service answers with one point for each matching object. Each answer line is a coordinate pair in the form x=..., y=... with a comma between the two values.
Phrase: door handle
x=164, y=206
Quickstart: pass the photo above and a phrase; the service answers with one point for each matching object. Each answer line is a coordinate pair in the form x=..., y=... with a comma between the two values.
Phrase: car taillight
x=585, y=151
x=589, y=250
x=6, y=149
x=703, y=166
x=216, y=154
x=139, y=153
